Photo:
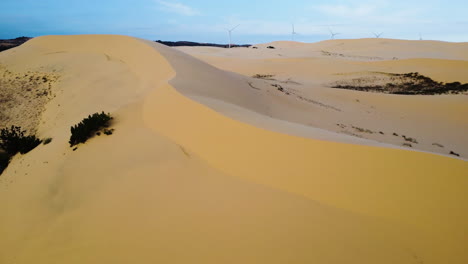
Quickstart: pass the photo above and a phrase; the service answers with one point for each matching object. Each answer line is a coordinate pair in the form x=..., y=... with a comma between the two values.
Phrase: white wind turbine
x=377, y=35
x=332, y=34
x=293, y=33
x=230, y=33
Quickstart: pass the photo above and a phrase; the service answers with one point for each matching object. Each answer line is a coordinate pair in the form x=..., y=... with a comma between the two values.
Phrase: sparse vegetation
x=407, y=145
x=411, y=83
x=23, y=96
x=89, y=126
x=455, y=154
x=271, y=47
x=437, y=145
x=410, y=139
x=363, y=130
x=47, y=141
x=264, y=76
x=279, y=87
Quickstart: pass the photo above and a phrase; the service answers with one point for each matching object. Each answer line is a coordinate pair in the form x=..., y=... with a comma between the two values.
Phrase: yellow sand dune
x=349, y=49
x=178, y=182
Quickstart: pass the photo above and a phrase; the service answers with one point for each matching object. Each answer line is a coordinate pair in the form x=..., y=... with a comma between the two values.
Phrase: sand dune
x=179, y=182
x=306, y=74
x=349, y=49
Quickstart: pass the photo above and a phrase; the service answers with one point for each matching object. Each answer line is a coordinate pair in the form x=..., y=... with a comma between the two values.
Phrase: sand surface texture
x=210, y=166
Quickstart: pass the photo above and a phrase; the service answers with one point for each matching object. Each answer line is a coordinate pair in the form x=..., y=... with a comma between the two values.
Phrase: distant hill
x=196, y=44
x=11, y=43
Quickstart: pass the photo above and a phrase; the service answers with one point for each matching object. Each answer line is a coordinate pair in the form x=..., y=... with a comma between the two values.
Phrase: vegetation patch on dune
x=264, y=76
x=14, y=140
x=411, y=83
x=93, y=124
x=351, y=57
x=23, y=96
x=4, y=160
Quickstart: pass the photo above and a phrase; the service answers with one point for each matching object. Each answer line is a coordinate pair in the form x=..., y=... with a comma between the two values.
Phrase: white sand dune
x=179, y=182
x=306, y=73
x=350, y=49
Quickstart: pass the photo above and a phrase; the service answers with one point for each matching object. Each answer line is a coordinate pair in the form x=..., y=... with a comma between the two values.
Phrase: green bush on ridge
x=87, y=127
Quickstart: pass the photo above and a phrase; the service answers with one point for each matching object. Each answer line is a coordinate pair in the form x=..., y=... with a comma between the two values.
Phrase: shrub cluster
x=12, y=141
x=4, y=160
x=87, y=127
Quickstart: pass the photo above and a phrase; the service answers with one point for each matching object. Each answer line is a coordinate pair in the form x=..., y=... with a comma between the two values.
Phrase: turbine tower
x=332, y=34
x=377, y=35
x=230, y=33
x=293, y=32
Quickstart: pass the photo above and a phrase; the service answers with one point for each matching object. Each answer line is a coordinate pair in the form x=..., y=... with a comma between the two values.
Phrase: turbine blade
x=235, y=27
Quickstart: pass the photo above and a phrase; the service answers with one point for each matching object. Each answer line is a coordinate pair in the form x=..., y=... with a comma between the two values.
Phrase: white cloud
x=177, y=8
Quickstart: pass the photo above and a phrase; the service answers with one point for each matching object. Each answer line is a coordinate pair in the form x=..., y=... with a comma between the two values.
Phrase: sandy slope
x=306, y=71
x=178, y=182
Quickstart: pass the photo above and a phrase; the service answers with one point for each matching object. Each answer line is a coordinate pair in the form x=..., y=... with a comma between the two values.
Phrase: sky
x=259, y=21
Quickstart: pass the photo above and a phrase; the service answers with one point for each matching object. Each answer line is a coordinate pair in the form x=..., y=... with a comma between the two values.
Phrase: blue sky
x=260, y=20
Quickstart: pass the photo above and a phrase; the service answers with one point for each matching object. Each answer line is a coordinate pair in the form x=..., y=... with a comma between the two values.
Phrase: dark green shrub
x=108, y=131
x=410, y=139
x=88, y=127
x=4, y=160
x=13, y=140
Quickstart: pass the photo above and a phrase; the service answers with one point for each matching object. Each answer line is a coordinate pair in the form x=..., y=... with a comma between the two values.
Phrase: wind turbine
x=377, y=35
x=293, y=32
x=230, y=32
x=332, y=34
